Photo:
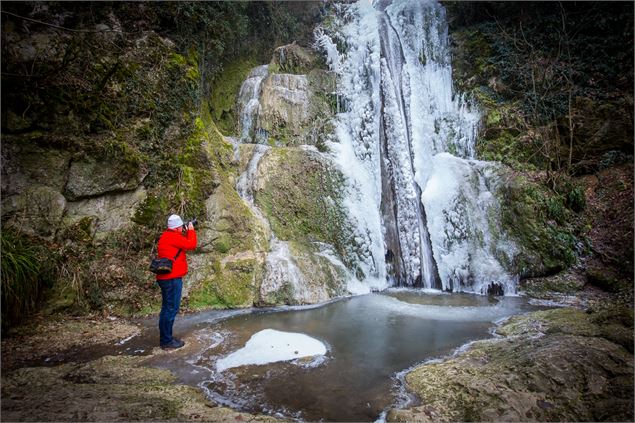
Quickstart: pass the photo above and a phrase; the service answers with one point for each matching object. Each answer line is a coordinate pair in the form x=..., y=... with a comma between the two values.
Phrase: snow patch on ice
x=270, y=346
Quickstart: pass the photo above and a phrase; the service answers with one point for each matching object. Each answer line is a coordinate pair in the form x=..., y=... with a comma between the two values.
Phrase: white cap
x=174, y=221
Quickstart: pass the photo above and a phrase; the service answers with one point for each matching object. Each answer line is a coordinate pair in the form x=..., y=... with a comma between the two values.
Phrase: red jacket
x=169, y=244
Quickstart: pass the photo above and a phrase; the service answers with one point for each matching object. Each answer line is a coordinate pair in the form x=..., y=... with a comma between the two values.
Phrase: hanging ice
x=406, y=143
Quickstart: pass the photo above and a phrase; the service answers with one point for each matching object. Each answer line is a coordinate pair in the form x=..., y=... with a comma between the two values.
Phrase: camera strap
x=177, y=254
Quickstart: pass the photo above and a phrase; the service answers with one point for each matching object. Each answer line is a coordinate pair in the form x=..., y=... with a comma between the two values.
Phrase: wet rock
x=301, y=273
x=495, y=289
x=552, y=366
x=296, y=100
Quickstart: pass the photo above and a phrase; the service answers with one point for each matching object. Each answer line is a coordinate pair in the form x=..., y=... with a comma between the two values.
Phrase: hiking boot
x=179, y=341
x=173, y=344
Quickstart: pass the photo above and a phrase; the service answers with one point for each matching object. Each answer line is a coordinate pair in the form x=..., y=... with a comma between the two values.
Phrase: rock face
x=555, y=365
x=291, y=102
x=37, y=210
x=109, y=212
x=108, y=389
x=88, y=178
x=284, y=103
x=295, y=59
x=300, y=195
x=26, y=163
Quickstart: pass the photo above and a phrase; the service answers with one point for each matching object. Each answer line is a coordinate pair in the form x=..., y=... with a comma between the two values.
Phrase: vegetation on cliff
x=555, y=84
x=118, y=102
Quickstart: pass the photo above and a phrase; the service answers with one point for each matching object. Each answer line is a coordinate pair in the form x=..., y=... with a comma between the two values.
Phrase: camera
x=193, y=221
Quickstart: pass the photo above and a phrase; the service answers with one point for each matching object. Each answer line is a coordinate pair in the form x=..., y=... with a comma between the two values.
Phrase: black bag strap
x=177, y=254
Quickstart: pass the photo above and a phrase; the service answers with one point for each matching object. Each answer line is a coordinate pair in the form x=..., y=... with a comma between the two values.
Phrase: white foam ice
x=270, y=346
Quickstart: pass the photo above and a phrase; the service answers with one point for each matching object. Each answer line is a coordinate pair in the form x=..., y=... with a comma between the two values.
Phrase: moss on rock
x=546, y=246
x=302, y=197
x=553, y=366
x=228, y=286
x=107, y=389
x=224, y=95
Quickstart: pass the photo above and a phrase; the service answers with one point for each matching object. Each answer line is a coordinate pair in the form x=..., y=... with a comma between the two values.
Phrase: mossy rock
x=607, y=280
x=298, y=109
x=228, y=286
x=570, y=373
x=546, y=247
x=234, y=226
x=319, y=272
x=563, y=321
x=544, y=288
x=295, y=59
x=224, y=96
x=122, y=388
x=302, y=196
x=317, y=280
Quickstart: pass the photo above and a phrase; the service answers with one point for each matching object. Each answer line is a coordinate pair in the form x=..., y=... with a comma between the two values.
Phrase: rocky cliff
x=111, y=122
x=116, y=118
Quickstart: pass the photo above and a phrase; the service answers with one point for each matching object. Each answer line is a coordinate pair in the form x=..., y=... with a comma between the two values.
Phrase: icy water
x=369, y=340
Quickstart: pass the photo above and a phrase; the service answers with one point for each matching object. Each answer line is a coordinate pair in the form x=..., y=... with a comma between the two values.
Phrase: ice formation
x=405, y=141
x=270, y=346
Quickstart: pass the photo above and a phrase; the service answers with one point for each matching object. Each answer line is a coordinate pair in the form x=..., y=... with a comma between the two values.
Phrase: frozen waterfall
x=421, y=203
x=249, y=104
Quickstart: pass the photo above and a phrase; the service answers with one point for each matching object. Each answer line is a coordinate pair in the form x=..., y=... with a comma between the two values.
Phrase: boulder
x=89, y=178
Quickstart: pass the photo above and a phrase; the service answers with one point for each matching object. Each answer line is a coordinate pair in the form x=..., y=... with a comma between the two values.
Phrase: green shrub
x=555, y=208
x=576, y=199
x=23, y=277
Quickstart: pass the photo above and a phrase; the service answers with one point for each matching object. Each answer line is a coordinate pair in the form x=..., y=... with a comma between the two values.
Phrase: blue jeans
x=171, y=295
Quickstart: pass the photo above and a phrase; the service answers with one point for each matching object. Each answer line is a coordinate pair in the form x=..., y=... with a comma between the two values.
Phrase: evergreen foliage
x=25, y=272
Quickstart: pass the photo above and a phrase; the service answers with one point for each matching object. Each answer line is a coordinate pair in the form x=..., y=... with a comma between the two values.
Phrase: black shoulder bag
x=163, y=266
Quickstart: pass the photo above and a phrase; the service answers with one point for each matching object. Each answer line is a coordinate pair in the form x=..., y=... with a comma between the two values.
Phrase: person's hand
x=190, y=227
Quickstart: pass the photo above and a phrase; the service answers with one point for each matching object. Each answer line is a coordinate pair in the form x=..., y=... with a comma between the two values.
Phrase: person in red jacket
x=173, y=244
